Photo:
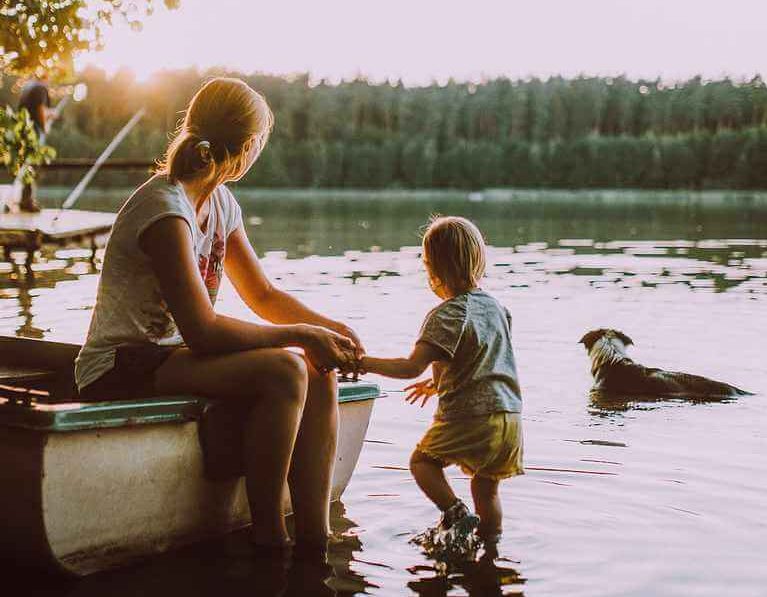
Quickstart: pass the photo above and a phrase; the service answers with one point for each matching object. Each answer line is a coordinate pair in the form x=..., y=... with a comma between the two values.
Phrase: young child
x=467, y=340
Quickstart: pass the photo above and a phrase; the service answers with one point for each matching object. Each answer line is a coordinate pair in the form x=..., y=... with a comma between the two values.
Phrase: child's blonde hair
x=224, y=120
x=455, y=252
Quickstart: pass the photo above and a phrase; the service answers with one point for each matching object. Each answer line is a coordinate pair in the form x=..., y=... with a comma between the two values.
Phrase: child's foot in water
x=458, y=522
x=455, y=531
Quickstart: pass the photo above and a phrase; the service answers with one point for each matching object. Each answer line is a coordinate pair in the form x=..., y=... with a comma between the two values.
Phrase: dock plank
x=30, y=232
x=15, y=374
x=56, y=224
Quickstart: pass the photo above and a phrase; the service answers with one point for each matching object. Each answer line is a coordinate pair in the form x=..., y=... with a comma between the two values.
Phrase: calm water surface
x=662, y=498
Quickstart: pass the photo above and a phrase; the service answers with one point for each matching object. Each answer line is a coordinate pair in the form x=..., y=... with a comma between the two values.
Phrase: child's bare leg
x=484, y=491
x=430, y=476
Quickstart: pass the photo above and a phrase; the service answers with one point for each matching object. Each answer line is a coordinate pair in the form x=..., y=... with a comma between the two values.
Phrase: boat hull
x=97, y=496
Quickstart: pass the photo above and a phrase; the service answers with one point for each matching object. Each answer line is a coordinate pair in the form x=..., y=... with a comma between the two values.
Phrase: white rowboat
x=85, y=487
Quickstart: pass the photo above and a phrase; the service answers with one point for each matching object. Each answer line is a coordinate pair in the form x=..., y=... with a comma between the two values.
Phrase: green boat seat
x=73, y=416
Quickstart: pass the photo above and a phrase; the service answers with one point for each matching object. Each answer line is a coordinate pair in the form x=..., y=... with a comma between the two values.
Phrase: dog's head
x=591, y=338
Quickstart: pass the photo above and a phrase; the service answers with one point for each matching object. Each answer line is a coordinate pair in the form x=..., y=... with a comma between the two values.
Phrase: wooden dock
x=30, y=232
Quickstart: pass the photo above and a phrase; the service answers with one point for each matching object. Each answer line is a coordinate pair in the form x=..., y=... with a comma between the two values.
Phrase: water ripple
x=661, y=498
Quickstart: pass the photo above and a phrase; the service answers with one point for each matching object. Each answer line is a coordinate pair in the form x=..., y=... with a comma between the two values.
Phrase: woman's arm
x=423, y=355
x=43, y=115
x=266, y=300
x=168, y=243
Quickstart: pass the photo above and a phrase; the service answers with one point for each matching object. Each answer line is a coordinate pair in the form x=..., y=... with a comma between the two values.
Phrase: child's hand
x=352, y=371
x=423, y=389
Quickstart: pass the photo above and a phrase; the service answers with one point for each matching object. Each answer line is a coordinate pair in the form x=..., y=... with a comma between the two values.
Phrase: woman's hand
x=327, y=349
x=423, y=389
x=345, y=330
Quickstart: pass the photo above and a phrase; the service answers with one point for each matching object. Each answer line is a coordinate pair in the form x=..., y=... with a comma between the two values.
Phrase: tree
x=583, y=132
x=43, y=36
x=20, y=148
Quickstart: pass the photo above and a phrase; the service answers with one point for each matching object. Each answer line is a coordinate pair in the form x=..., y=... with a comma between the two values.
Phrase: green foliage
x=586, y=132
x=42, y=36
x=20, y=148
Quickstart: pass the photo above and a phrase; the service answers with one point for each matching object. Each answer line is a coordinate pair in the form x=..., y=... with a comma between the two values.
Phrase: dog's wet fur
x=616, y=374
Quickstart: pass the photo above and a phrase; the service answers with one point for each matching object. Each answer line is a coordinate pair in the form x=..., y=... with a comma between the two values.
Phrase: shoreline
x=703, y=198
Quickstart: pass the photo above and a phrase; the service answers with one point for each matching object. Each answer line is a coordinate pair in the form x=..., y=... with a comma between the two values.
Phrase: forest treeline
x=566, y=133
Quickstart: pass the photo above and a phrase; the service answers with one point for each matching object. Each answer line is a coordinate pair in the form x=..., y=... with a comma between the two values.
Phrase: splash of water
x=449, y=548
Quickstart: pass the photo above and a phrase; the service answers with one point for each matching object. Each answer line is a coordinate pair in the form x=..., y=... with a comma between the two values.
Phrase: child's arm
x=423, y=355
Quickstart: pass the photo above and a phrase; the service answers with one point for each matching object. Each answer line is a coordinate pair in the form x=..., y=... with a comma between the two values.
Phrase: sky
x=422, y=41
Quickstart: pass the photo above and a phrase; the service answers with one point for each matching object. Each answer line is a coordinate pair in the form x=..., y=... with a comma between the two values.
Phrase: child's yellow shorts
x=488, y=446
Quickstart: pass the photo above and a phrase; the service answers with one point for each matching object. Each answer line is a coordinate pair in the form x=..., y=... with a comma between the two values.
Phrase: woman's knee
x=287, y=375
x=324, y=381
x=323, y=388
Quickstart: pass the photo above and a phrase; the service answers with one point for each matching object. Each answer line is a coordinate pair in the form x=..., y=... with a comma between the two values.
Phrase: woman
x=154, y=330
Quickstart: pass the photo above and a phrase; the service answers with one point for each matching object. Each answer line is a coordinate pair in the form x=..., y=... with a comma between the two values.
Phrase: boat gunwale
x=61, y=417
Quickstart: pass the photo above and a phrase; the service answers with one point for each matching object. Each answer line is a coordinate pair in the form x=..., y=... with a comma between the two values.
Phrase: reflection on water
x=26, y=286
x=606, y=404
x=637, y=498
x=222, y=566
x=486, y=577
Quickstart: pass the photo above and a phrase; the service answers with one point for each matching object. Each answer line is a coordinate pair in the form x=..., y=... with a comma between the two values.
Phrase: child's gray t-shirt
x=479, y=376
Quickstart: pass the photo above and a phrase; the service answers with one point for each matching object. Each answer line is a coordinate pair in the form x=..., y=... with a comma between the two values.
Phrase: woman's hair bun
x=216, y=135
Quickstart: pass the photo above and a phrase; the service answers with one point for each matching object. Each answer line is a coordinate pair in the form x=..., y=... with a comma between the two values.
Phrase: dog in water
x=615, y=373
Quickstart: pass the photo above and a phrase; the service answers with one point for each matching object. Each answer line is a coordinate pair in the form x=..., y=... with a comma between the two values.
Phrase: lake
x=631, y=499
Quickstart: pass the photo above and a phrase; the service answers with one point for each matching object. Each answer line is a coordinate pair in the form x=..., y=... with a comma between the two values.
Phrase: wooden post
x=94, y=246
x=33, y=242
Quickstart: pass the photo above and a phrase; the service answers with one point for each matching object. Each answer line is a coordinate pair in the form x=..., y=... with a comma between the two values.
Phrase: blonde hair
x=454, y=251
x=224, y=120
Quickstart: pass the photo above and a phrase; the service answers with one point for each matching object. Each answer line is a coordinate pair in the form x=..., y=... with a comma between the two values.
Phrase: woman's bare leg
x=314, y=455
x=488, y=506
x=275, y=381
